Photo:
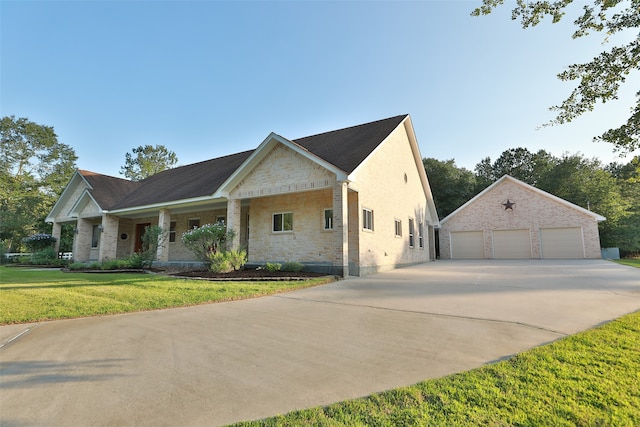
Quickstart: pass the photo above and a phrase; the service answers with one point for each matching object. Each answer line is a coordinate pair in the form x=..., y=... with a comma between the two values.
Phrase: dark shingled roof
x=184, y=182
x=108, y=190
x=347, y=148
x=344, y=148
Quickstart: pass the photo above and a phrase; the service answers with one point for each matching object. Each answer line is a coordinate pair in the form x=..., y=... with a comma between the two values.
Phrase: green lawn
x=589, y=379
x=631, y=262
x=29, y=295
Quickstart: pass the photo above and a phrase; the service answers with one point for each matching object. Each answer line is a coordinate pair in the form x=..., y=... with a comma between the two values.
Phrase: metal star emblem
x=508, y=205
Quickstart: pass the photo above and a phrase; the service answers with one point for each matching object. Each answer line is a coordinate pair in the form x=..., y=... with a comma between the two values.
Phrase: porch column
x=108, y=238
x=341, y=226
x=82, y=240
x=164, y=222
x=432, y=242
x=56, y=232
x=233, y=222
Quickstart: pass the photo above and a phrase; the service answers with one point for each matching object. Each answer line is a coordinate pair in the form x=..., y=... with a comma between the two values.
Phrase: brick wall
x=388, y=183
x=532, y=211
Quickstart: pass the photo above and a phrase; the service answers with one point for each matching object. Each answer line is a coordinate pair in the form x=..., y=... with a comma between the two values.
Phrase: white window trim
x=421, y=235
x=96, y=227
x=364, y=222
x=412, y=233
x=397, y=227
x=324, y=219
x=175, y=227
x=282, y=224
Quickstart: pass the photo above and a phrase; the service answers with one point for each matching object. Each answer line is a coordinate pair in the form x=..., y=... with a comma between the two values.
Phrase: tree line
x=34, y=170
x=612, y=190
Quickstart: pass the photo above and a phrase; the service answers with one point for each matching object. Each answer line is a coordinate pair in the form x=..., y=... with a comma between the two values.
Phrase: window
x=367, y=219
x=283, y=222
x=95, y=236
x=172, y=231
x=398, y=228
x=193, y=223
x=411, y=233
x=420, y=238
x=328, y=219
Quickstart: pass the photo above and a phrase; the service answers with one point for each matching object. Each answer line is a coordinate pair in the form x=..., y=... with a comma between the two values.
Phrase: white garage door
x=511, y=244
x=467, y=245
x=562, y=242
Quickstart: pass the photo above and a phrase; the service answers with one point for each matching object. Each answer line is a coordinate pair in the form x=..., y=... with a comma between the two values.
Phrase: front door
x=139, y=232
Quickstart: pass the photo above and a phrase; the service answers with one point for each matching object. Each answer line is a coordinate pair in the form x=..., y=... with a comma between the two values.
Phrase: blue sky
x=208, y=78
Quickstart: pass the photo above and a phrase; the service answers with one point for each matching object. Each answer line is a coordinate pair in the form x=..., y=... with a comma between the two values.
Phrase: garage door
x=562, y=242
x=467, y=245
x=511, y=244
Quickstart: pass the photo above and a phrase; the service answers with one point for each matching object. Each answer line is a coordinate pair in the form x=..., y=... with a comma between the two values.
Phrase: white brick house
x=352, y=202
x=512, y=219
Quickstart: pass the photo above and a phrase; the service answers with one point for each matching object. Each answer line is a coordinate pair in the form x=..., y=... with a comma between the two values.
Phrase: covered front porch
x=323, y=235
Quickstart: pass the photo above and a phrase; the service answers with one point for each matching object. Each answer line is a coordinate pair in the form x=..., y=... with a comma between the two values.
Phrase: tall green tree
x=34, y=168
x=586, y=183
x=451, y=186
x=600, y=78
x=627, y=234
x=147, y=160
x=519, y=162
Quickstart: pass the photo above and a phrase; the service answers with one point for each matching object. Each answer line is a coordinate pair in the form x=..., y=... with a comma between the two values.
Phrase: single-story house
x=352, y=201
x=512, y=219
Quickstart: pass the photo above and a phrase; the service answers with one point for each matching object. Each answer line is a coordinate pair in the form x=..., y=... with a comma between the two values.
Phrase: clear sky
x=208, y=78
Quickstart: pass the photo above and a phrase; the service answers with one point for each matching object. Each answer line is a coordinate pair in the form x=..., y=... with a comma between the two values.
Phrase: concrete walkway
x=221, y=363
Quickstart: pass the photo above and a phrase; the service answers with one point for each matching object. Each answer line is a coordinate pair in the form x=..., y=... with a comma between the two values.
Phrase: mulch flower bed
x=257, y=274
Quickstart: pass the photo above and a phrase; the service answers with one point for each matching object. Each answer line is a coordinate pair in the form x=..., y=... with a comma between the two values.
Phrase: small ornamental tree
x=207, y=240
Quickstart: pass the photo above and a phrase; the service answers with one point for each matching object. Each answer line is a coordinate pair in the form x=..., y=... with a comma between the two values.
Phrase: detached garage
x=512, y=219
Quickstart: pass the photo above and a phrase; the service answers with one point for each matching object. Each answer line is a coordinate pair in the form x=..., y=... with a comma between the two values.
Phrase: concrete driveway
x=220, y=363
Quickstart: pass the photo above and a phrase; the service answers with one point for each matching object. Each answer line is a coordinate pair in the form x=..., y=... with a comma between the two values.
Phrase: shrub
x=206, y=240
x=44, y=256
x=272, y=266
x=136, y=260
x=238, y=259
x=76, y=266
x=39, y=242
x=115, y=264
x=219, y=262
x=227, y=261
x=3, y=251
x=292, y=266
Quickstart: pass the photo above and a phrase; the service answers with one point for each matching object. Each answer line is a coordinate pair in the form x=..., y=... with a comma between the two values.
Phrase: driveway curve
x=221, y=363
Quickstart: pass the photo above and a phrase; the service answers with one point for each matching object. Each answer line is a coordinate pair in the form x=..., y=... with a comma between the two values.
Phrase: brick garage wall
x=532, y=211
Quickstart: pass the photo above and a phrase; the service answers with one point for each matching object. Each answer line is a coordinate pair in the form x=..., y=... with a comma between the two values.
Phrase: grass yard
x=28, y=295
x=632, y=262
x=589, y=379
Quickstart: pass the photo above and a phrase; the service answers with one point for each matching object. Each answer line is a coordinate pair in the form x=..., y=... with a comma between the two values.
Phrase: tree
x=586, y=183
x=627, y=235
x=600, y=78
x=451, y=186
x=519, y=162
x=34, y=169
x=146, y=161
